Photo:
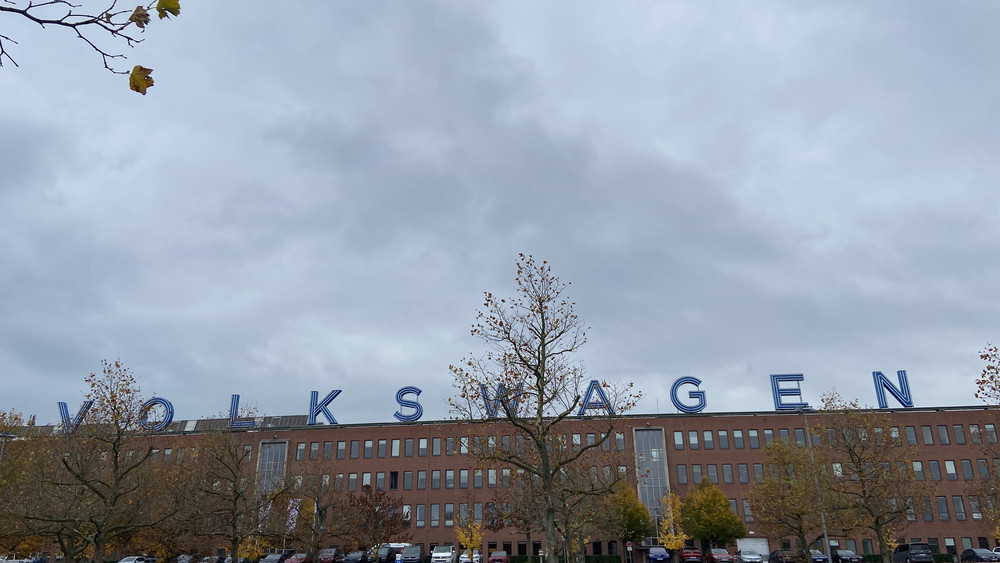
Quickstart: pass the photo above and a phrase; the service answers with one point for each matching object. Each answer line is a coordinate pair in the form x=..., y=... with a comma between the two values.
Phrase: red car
x=499, y=557
x=691, y=555
x=718, y=555
x=330, y=555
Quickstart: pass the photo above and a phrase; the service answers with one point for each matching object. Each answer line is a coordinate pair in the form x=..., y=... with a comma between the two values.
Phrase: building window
x=950, y=470
x=436, y=446
x=696, y=473
x=967, y=472
x=911, y=436
x=918, y=470
x=408, y=447
x=463, y=478
x=768, y=436
x=352, y=482
x=366, y=479
x=927, y=434
x=977, y=513
x=744, y=473
x=407, y=480
x=678, y=440
x=713, y=473
x=421, y=480
x=723, y=439
x=928, y=514
x=491, y=478
x=449, y=446
x=247, y=452
x=959, y=505
x=727, y=473
x=314, y=450
x=942, y=506
x=341, y=450
x=943, y=437
x=935, y=469
x=984, y=468
x=747, y=514
x=754, y=440
x=327, y=450
x=272, y=466
x=422, y=447
x=394, y=448
x=380, y=481
x=436, y=479
x=758, y=472
x=300, y=451
x=449, y=478
x=783, y=434
x=355, y=449
x=421, y=514
x=477, y=478
x=707, y=439
x=959, y=434
x=449, y=514
x=682, y=474
x=435, y=515
x=949, y=546
x=463, y=445
x=800, y=437
x=620, y=441
x=381, y=448
x=369, y=446
x=738, y=439
x=693, y=439
x=991, y=433
x=393, y=480
x=977, y=438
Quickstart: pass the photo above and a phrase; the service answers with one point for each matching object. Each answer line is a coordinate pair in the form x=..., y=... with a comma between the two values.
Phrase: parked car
x=299, y=558
x=818, y=556
x=846, y=556
x=978, y=554
x=387, y=553
x=782, y=556
x=499, y=557
x=354, y=557
x=330, y=555
x=132, y=559
x=917, y=552
x=276, y=557
x=659, y=555
x=719, y=555
x=748, y=556
x=476, y=557
x=691, y=555
x=412, y=554
x=444, y=554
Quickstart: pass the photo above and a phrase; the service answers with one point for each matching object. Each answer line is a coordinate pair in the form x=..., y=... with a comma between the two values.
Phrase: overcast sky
x=316, y=196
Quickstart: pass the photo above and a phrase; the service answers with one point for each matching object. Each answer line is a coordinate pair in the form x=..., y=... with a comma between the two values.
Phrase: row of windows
x=946, y=508
x=709, y=439
x=742, y=474
x=431, y=515
x=439, y=479
x=356, y=449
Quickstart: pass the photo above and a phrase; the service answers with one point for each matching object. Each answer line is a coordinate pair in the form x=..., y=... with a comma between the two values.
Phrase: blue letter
x=418, y=410
x=588, y=403
x=492, y=404
x=778, y=392
x=901, y=393
x=700, y=395
x=70, y=426
x=234, y=407
x=168, y=415
x=316, y=408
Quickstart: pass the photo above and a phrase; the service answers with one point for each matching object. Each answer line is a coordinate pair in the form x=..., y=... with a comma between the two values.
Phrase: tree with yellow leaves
x=671, y=535
x=469, y=533
x=98, y=26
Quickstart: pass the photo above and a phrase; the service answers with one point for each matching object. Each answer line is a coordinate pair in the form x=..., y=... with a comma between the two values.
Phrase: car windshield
x=749, y=552
x=845, y=552
x=920, y=548
x=720, y=552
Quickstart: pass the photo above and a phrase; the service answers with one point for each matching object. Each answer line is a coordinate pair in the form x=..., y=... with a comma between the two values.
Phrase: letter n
x=901, y=393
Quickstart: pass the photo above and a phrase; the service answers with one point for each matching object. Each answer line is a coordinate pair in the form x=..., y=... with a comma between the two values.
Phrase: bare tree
x=530, y=383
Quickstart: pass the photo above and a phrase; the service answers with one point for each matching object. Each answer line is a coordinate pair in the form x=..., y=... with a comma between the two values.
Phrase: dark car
x=978, y=554
x=719, y=555
x=659, y=555
x=818, y=556
x=782, y=556
x=691, y=555
x=299, y=558
x=917, y=552
x=846, y=556
x=330, y=555
x=355, y=557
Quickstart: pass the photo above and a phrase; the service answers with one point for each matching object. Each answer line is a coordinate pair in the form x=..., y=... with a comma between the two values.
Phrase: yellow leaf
x=166, y=8
x=140, y=79
x=140, y=17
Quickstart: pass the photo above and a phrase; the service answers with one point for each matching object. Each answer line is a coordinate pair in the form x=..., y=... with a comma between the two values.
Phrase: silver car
x=748, y=556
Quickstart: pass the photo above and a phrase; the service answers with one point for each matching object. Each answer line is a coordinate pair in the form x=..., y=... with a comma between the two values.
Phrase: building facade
x=428, y=465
